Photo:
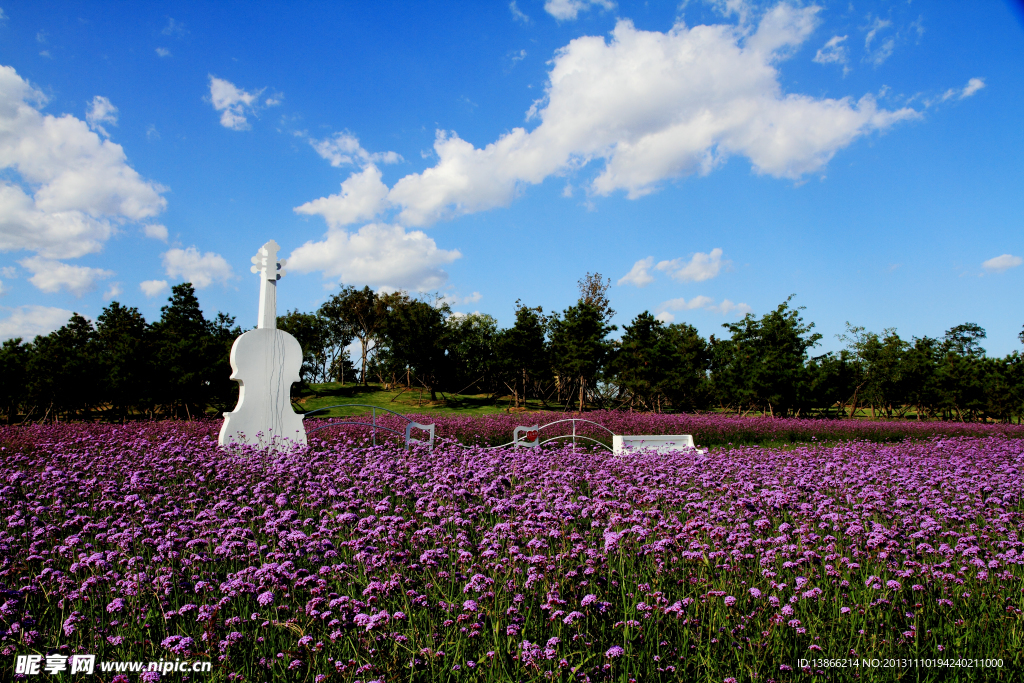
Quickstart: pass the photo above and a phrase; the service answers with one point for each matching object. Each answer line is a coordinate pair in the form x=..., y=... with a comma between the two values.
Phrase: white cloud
x=101, y=111
x=699, y=302
x=113, y=290
x=700, y=267
x=52, y=276
x=69, y=188
x=1002, y=263
x=650, y=106
x=163, y=52
x=833, y=52
x=3, y=290
x=9, y=272
x=155, y=231
x=201, y=270
x=682, y=304
x=973, y=86
x=344, y=149
x=727, y=307
x=29, y=321
x=455, y=300
x=782, y=29
x=883, y=51
x=517, y=13
x=234, y=103
x=152, y=288
x=638, y=275
x=377, y=255
x=362, y=197
x=564, y=10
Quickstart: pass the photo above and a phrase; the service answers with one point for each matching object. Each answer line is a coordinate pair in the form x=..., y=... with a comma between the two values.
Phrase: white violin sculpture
x=265, y=362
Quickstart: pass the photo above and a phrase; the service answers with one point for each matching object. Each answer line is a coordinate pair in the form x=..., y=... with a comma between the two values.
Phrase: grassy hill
x=401, y=400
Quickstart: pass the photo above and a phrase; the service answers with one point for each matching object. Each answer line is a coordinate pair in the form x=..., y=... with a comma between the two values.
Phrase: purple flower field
x=347, y=563
x=707, y=429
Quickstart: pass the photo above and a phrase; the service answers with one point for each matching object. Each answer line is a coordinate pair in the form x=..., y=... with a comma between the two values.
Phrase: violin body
x=265, y=362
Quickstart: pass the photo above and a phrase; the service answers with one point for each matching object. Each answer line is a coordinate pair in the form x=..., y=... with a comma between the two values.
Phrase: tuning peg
x=281, y=263
x=256, y=259
x=254, y=269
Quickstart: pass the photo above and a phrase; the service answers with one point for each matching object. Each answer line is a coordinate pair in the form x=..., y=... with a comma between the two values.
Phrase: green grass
x=402, y=400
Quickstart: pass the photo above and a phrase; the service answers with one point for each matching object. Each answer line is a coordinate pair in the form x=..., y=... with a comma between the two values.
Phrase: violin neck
x=268, y=304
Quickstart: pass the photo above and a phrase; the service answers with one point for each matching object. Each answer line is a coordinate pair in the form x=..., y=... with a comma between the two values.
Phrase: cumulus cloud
x=101, y=111
x=639, y=274
x=378, y=255
x=202, y=270
x=163, y=52
x=700, y=267
x=650, y=106
x=155, y=231
x=235, y=104
x=66, y=188
x=153, y=288
x=567, y=10
x=665, y=317
x=1002, y=263
x=362, y=197
x=699, y=302
x=29, y=321
x=343, y=149
x=113, y=290
x=52, y=276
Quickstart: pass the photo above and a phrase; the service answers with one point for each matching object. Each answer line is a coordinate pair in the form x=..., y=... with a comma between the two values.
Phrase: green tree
x=414, y=336
x=962, y=340
x=192, y=355
x=471, y=350
x=642, y=360
x=124, y=358
x=522, y=353
x=962, y=371
x=921, y=376
x=834, y=381
x=14, y=357
x=63, y=369
x=358, y=313
x=685, y=382
x=762, y=364
x=882, y=364
x=323, y=341
x=579, y=349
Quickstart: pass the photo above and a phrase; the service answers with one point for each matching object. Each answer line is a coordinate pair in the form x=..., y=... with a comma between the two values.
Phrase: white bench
x=661, y=443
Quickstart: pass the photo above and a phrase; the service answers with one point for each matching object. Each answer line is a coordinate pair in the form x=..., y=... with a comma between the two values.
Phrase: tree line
x=121, y=366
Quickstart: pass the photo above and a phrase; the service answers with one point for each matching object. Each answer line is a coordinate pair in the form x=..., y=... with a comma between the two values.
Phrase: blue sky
x=711, y=158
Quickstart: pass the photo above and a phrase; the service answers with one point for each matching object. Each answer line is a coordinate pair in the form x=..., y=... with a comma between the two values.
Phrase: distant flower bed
x=346, y=563
x=707, y=429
